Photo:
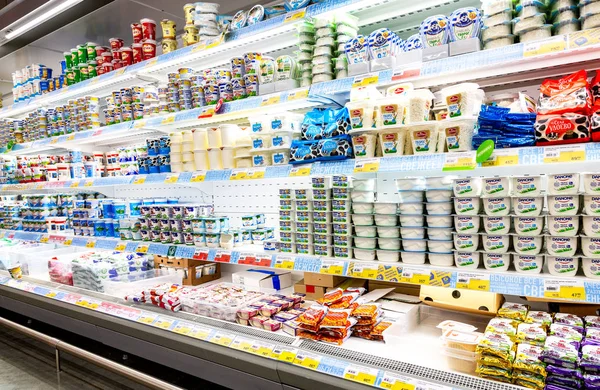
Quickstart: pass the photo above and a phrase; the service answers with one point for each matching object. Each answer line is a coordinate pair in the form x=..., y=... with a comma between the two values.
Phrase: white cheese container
x=496, y=261
x=528, y=205
x=439, y=208
x=362, y=219
x=590, y=246
x=439, y=221
x=497, y=206
x=364, y=254
x=365, y=231
x=467, y=223
x=563, y=225
x=441, y=182
x=528, y=264
x=591, y=183
x=527, y=245
x=528, y=226
x=411, y=208
x=388, y=256
x=411, y=220
x=386, y=208
x=409, y=184
x=388, y=232
x=591, y=204
x=563, y=183
x=466, y=242
x=467, y=260
x=443, y=234
x=495, y=243
x=363, y=185
x=467, y=187
x=413, y=257
x=496, y=186
x=563, y=204
x=527, y=185
x=441, y=259
x=385, y=220
x=438, y=195
x=363, y=208
x=435, y=246
x=412, y=233
x=496, y=225
x=414, y=245
x=591, y=226
x=562, y=266
x=365, y=243
x=410, y=196
x=362, y=196
x=591, y=267
x=561, y=246
x=467, y=206
x=389, y=243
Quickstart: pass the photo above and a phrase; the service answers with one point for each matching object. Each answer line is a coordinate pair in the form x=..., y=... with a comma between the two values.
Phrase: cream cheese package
x=465, y=23
x=413, y=42
x=435, y=31
x=383, y=43
x=357, y=50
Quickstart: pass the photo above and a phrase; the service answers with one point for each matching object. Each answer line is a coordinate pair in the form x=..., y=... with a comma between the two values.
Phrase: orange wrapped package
x=313, y=315
x=345, y=301
x=338, y=319
x=308, y=335
x=331, y=297
x=376, y=333
x=368, y=310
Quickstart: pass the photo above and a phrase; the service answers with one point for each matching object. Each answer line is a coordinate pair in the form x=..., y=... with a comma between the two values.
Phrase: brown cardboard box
x=469, y=301
x=322, y=280
x=312, y=292
x=350, y=282
x=401, y=288
x=579, y=309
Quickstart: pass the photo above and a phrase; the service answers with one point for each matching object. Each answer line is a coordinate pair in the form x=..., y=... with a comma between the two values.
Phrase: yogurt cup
x=591, y=226
x=364, y=254
x=414, y=245
x=591, y=204
x=389, y=243
x=386, y=256
x=561, y=246
x=467, y=223
x=527, y=185
x=436, y=246
x=362, y=196
x=362, y=208
x=496, y=225
x=441, y=259
x=413, y=257
x=467, y=187
x=444, y=208
x=441, y=182
x=563, y=184
x=466, y=242
x=410, y=196
x=528, y=264
x=345, y=240
x=562, y=266
x=443, y=234
x=591, y=183
x=495, y=243
x=365, y=243
x=412, y=233
x=385, y=220
x=496, y=261
x=410, y=184
x=590, y=246
x=386, y=208
x=410, y=208
x=528, y=205
x=497, y=206
x=439, y=221
x=365, y=231
x=411, y=220
x=563, y=204
x=438, y=195
x=563, y=225
x=591, y=267
x=363, y=219
x=528, y=226
x=388, y=232
x=363, y=185
x=496, y=186
x=467, y=206
x=467, y=260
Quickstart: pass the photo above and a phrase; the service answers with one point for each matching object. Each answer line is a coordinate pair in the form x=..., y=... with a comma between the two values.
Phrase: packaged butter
x=528, y=359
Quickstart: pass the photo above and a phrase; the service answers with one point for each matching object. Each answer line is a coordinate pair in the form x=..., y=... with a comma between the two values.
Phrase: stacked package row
x=46, y=213
x=272, y=137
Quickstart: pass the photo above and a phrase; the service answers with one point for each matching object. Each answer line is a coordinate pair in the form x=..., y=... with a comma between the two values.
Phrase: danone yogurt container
x=561, y=246
x=465, y=23
x=527, y=185
x=590, y=246
x=467, y=206
x=563, y=184
x=591, y=183
x=496, y=186
x=591, y=226
x=495, y=243
x=467, y=224
x=563, y=204
x=496, y=224
x=591, y=267
x=562, y=266
x=497, y=206
x=563, y=225
x=528, y=263
x=528, y=205
x=527, y=245
x=528, y=226
x=496, y=261
x=466, y=242
x=591, y=204
x=467, y=187
x=434, y=31
x=467, y=259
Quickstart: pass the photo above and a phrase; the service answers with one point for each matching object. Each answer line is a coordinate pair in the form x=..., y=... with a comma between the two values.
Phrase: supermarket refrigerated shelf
x=579, y=288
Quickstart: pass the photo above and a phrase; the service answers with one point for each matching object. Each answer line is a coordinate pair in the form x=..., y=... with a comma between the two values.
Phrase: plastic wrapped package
x=496, y=31
x=502, y=17
x=222, y=301
x=499, y=42
x=522, y=24
x=567, y=27
x=493, y=7
x=589, y=21
x=535, y=34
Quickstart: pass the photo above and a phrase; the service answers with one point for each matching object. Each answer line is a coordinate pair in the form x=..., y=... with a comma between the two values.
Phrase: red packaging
x=116, y=54
x=99, y=60
x=331, y=297
x=108, y=66
x=137, y=52
x=100, y=50
x=595, y=87
x=100, y=70
x=148, y=29
x=116, y=43
x=567, y=128
x=568, y=94
x=595, y=124
x=126, y=55
x=107, y=56
x=116, y=64
x=148, y=49
x=136, y=32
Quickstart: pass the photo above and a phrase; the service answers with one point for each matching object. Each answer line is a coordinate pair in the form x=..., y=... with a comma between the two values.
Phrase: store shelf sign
x=142, y=248
x=183, y=328
x=363, y=81
x=270, y=100
x=473, y=281
x=364, y=270
x=299, y=171
x=284, y=262
x=200, y=254
x=241, y=344
x=198, y=177
x=332, y=267
x=298, y=94
x=307, y=360
x=396, y=382
x=120, y=246
x=171, y=178
x=414, y=275
x=546, y=46
x=222, y=338
x=573, y=290
x=256, y=173
x=562, y=154
x=169, y=119
x=139, y=180
x=200, y=332
x=90, y=244
x=361, y=374
x=366, y=165
x=294, y=16
x=247, y=259
x=238, y=174
x=164, y=322
x=462, y=161
x=284, y=354
x=502, y=157
x=223, y=256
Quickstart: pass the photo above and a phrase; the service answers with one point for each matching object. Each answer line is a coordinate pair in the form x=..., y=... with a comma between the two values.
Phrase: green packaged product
x=497, y=344
x=514, y=311
x=528, y=359
x=82, y=54
x=493, y=371
x=503, y=325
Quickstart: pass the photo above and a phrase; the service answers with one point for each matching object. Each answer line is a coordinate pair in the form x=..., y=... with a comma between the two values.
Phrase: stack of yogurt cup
x=590, y=234
x=296, y=221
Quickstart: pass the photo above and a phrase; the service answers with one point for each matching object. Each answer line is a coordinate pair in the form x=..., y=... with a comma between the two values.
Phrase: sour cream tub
x=496, y=186
x=527, y=245
x=363, y=185
x=411, y=208
x=409, y=184
x=562, y=266
x=467, y=206
x=444, y=208
x=467, y=187
x=591, y=226
x=591, y=267
x=528, y=226
x=362, y=219
x=386, y=220
x=362, y=196
x=386, y=256
x=563, y=184
x=439, y=221
x=467, y=223
x=591, y=204
x=441, y=182
x=362, y=208
x=497, y=206
x=590, y=246
x=411, y=220
x=495, y=243
x=496, y=261
x=469, y=260
x=441, y=259
x=410, y=196
x=438, y=195
x=365, y=231
x=496, y=225
x=591, y=183
x=413, y=258
x=527, y=185
x=365, y=243
x=466, y=242
x=434, y=246
x=561, y=246
x=414, y=245
x=563, y=204
x=563, y=225
x=437, y=234
x=528, y=264
x=389, y=243
x=364, y=254
x=386, y=208
x=388, y=231
x=528, y=205
x=412, y=233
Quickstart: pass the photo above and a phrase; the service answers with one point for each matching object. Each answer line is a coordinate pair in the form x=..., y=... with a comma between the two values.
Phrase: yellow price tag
x=199, y=332
x=151, y=63
x=147, y=318
x=294, y=16
x=365, y=271
x=473, y=281
x=558, y=154
x=120, y=246
x=139, y=180
x=363, y=81
x=172, y=178
x=332, y=267
x=169, y=119
x=269, y=100
x=139, y=124
x=198, y=177
x=546, y=46
x=51, y=294
x=416, y=276
x=284, y=262
x=502, y=157
x=572, y=290
x=54, y=140
x=223, y=339
x=142, y=248
x=297, y=94
x=241, y=344
x=90, y=244
x=164, y=323
x=44, y=239
x=260, y=349
x=74, y=184
x=182, y=328
x=238, y=174
x=68, y=241
x=361, y=374
x=365, y=165
x=256, y=173
x=198, y=47
x=300, y=171
x=88, y=183
x=396, y=382
x=308, y=360
x=71, y=137
x=284, y=354
x=462, y=161
x=216, y=42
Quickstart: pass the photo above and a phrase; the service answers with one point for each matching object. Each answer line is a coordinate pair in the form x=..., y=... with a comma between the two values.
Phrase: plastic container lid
x=455, y=325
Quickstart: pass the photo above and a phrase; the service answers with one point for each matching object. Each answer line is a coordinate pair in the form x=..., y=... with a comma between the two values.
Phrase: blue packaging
x=465, y=23
x=434, y=31
x=109, y=227
x=108, y=209
x=99, y=228
x=115, y=229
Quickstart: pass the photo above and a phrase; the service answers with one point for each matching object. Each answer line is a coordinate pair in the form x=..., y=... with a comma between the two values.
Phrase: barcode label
x=463, y=280
x=551, y=288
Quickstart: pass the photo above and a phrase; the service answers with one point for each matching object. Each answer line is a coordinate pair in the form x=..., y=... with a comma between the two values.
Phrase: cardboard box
x=272, y=279
x=469, y=301
x=401, y=288
x=350, y=282
x=581, y=310
x=322, y=280
x=312, y=292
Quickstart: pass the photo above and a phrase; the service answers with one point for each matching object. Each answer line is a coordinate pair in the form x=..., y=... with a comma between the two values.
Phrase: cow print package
x=325, y=123
x=570, y=94
x=336, y=148
x=562, y=129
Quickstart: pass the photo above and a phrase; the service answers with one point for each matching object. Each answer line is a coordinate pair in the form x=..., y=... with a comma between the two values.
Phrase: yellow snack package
x=493, y=371
x=531, y=334
x=503, y=325
x=496, y=344
x=527, y=384
x=539, y=317
x=528, y=359
x=534, y=379
x=494, y=361
x=515, y=311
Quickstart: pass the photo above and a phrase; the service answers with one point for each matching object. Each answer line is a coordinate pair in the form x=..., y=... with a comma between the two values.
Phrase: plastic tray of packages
x=26, y=254
x=55, y=265
x=201, y=303
x=535, y=33
x=135, y=282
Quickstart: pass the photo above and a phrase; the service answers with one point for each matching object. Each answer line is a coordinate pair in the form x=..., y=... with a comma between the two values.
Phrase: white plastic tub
x=364, y=144
x=467, y=206
x=410, y=196
x=563, y=204
x=496, y=261
x=362, y=196
x=364, y=254
x=527, y=185
x=362, y=219
x=365, y=243
x=361, y=114
x=497, y=206
x=496, y=186
x=392, y=142
x=386, y=208
x=563, y=225
x=411, y=220
x=495, y=243
x=386, y=256
x=385, y=220
x=423, y=138
x=443, y=234
x=468, y=260
x=591, y=226
x=590, y=246
x=414, y=245
x=591, y=267
x=441, y=259
x=438, y=183
x=467, y=223
x=563, y=184
x=528, y=264
x=528, y=205
x=363, y=185
x=388, y=232
x=463, y=100
x=413, y=257
x=389, y=243
x=561, y=246
x=435, y=246
x=528, y=226
x=410, y=184
x=496, y=225
x=467, y=187
x=439, y=221
x=365, y=231
x=562, y=266
x=591, y=204
x=438, y=195
x=591, y=183
x=412, y=233
x=439, y=208
x=229, y=135
x=466, y=242
x=411, y=208
x=457, y=133
x=362, y=208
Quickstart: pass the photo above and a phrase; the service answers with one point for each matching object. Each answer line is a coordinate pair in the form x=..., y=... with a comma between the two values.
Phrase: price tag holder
x=88, y=183
x=365, y=80
x=183, y=328
x=171, y=178
x=121, y=246
x=473, y=281
x=462, y=161
x=502, y=157
x=332, y=267
x=74, y=184
x=164, y=322
x=44, y=239
x=169, y=119
x=284, y=354
x=68, y=241
x=545, y=46
x=238, y=174
x=198, y=176
x=298, y=94
x=200, y=332
x=396, y=382
x=307, y=360
x=300, y=171
x=223, y=256
x=573, y=290
x=562, y=154
x=241, y=344
x=361, y=374
x=247, y=259
x=91, y=243
x=284, y=262
x=256, y=173
x=222, y=338
x=261, y=349
x=142, y=248
x=200, y=254
x=147, y=318
x=270, y=100
x=366, y=165
x=364, y=270
x=414, y=275
x=139, y=180
x=294, y=16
